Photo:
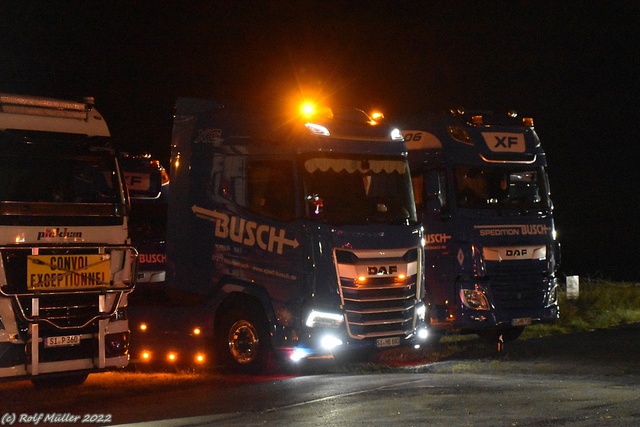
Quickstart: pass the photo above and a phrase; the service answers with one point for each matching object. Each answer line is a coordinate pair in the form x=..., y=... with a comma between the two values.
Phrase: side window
x=438, y=179
x=418, y=190
x=227, y=182
x=430, y=190
x=270, y=189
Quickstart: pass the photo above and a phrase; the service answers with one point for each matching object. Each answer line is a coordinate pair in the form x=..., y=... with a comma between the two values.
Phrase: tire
x=57, y=381
x=243, y=341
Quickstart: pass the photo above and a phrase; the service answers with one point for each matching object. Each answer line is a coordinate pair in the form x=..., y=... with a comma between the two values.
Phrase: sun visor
x=354, y=166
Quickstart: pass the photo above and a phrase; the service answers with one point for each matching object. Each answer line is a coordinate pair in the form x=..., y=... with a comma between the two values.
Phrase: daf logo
x=516, y=252
x=382, y=270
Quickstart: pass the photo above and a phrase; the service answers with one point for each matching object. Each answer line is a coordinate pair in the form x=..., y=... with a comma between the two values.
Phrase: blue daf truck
x=482, y=193
x=288, y=237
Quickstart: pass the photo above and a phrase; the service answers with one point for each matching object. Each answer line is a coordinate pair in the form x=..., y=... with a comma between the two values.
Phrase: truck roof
x=249, y=129
x=33, y=113
x=476, y=137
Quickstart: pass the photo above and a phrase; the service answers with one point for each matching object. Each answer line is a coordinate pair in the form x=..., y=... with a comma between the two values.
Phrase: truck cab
x=147, y=182
x=482, y=193
x=66, y=265
x=289, y=237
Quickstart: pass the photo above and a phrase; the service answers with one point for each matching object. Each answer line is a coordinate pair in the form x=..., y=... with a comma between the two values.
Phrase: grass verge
x=600, y=305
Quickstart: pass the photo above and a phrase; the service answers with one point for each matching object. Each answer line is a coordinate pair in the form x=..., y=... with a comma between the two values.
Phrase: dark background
x=571, y=65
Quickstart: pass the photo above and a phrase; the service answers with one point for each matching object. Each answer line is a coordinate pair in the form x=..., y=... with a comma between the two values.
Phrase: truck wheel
x=244, y=344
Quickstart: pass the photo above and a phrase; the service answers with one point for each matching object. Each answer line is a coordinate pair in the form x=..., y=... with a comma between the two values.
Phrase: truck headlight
x=322, y=319
x=421, y=312
x=474, y=299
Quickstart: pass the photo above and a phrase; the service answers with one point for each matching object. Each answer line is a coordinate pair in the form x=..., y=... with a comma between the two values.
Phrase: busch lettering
x=513, y=230
x=382, y=270
x=152, y=258
x=248, y=233
x=437, y=238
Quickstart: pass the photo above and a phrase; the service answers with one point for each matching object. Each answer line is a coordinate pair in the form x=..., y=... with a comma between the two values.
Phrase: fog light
x=474, y=299
x=116, y=344
x=423, y=333
x=330, y=342
x=298, y=354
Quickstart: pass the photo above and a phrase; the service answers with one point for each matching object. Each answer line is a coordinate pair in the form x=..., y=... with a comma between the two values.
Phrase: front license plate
x=63, y=341
x=522, y=321
x=388, y=342
x=60, y=272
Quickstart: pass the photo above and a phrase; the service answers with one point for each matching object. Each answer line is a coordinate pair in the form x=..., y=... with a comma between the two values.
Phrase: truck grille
x=64, y=311
x=514, y=288
x=381, y=306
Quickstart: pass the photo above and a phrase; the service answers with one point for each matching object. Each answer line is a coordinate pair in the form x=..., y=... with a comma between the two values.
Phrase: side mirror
x=433, y=192
x=316, y=203
x=434, y=205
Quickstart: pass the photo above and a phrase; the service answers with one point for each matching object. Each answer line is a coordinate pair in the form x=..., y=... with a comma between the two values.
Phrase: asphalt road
x=578, y=379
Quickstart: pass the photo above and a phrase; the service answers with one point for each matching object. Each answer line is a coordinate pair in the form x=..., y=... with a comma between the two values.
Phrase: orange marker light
x=307, y=109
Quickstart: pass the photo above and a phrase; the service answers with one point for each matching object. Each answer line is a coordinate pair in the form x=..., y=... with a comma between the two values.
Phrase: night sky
x=571, y=65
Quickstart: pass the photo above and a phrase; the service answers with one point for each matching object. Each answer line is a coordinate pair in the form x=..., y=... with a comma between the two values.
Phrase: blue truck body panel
x=483, y=196
x=318, y=233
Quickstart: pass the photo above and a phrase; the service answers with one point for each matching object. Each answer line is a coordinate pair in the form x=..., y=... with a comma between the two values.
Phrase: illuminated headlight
x=423, y=333
x=474, y=299
x=321, y=319
x=298, y=354
x=396, y=135
x=317, y=129
x=329, y=342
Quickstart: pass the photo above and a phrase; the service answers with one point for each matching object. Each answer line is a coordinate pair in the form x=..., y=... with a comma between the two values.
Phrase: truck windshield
x=498, y=187
x=352, y=190
x=58, y=179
